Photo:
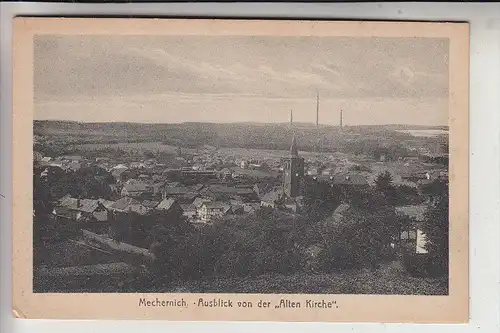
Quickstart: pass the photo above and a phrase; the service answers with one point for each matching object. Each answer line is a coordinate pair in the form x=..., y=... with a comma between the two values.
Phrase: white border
x=484, y=147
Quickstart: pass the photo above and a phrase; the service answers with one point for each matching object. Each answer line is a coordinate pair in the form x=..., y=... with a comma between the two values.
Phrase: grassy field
x=388, y=280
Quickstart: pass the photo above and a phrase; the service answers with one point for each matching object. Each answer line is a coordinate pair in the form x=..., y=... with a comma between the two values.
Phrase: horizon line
x=312, y=123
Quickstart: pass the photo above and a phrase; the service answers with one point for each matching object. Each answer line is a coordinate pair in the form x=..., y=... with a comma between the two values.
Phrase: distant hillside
x=117, y=129
x=242, y=135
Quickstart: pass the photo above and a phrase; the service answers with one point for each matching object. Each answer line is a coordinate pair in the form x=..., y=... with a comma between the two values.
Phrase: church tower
x=294, y=171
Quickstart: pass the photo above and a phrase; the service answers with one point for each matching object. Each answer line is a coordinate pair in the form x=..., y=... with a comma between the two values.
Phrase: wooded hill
x=241, y=135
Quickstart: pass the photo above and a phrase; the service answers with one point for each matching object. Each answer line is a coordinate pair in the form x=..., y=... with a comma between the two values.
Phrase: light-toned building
x=210, y=211
x=413, y=237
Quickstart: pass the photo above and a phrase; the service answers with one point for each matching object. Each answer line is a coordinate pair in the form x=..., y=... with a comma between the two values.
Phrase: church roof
x=293, y=148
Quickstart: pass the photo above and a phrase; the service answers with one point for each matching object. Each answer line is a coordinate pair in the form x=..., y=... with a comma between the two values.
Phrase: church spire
x=293, y=148
x=294, y=171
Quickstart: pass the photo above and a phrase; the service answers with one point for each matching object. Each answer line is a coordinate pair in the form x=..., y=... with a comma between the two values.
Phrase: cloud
x=271, y=67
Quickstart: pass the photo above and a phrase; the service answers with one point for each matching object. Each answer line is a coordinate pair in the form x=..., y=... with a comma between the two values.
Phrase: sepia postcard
x=240, y=170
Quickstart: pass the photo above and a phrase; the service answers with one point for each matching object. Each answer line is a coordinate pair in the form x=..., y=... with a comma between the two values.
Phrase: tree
x=436, y=228
x=320, y=199
x=383, y=181
x=360, y=239
x=435, y=190
x=407, y=195
x=384, y=185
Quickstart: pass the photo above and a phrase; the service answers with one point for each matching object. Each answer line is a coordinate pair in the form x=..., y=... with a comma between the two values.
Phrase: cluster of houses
x=198, y=203
x=203, y=195
x=66, y=163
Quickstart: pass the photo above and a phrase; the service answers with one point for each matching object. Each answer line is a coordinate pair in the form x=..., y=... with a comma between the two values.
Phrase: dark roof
x=187, y=197
x=197, y=187
x=255, y=173
x=74, y=166
x=188, y=207
x=123, y=203
x=230, y=190
x=150, y=203
x=177, y=190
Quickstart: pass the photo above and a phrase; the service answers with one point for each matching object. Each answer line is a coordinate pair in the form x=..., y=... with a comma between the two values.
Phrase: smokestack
x=317, y=109
x=316, y=146
x=291, y=119
x=341, y=119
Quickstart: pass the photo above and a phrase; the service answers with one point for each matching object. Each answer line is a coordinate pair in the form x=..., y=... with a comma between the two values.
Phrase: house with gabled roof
x=106, y=203
x=278, y=199
x=412, y=237
x=189, y=211
x=273, y=198
x=134, y=189
x=86, y=209
x=82, y=213
x=151, y=204
x=198, y=202
x=166, y=204
x=170, y=209
x=73, y=158
x=127, y=205
x=210, y=211
x=119, y=173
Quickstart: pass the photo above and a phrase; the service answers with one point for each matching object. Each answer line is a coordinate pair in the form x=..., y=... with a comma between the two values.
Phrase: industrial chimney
x=341, y=120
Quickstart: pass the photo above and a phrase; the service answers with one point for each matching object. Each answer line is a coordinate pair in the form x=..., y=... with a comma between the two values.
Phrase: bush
x=416, y=264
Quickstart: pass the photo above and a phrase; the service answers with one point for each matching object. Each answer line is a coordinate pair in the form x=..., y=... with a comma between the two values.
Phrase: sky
x=173, y=79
